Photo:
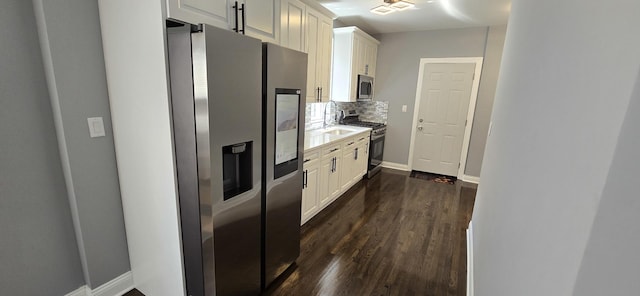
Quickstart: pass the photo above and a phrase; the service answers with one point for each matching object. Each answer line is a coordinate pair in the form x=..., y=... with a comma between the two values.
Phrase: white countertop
x=317, y=138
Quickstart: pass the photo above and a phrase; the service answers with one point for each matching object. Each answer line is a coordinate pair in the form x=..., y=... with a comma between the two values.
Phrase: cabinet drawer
x=350, y=143
x=331, y=150
x=362, y=138
x=310, y=156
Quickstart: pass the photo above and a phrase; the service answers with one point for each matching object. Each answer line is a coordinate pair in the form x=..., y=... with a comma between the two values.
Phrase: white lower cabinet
x=330, y=175
x=311, y=180
x=332, y=170
x=350, y=166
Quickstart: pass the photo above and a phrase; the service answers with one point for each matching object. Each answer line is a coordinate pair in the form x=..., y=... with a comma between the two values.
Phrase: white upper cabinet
x=262, y=19
x=319, y=31
x=355, y=53
x=292, y=24
x=212, y=12
x=259, y=18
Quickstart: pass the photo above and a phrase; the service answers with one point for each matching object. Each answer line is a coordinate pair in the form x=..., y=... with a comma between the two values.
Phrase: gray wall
x=399, y=56
x=38, y=251
x=486, y=94
x=611, y=264
x=562, y=96
x=77, y=62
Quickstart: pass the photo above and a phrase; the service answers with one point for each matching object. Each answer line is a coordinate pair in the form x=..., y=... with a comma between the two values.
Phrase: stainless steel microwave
x=365, y=88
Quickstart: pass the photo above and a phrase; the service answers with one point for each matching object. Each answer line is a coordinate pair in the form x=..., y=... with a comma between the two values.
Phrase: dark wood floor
x=391, y=235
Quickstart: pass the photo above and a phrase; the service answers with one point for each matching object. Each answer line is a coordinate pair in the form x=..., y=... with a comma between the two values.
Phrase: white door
x=445, y=92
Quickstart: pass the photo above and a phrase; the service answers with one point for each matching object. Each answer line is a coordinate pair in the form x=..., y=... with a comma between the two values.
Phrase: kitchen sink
x=338, y=132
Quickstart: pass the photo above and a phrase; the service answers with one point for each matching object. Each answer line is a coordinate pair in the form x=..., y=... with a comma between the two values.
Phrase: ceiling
x=426, y=15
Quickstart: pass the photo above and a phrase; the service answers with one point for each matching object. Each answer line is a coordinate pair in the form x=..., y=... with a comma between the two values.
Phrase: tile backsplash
x=373, y=111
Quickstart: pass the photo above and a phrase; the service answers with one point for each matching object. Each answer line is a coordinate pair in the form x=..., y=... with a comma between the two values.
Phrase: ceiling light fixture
x=390, y=6
x=382, y=10
x=402, y=5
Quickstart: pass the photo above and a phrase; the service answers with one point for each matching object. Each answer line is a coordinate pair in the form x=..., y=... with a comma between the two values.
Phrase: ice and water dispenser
x=237, y=167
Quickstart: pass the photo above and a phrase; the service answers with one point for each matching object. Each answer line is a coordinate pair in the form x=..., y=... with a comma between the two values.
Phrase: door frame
x=475, y=85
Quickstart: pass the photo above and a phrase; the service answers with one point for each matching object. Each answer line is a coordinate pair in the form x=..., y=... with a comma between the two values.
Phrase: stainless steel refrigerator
x=284, y=82
x=216, y=97
x=238, y=121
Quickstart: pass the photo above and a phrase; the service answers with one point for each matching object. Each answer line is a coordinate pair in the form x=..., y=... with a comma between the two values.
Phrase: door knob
x=419, y=128
x=420, y=120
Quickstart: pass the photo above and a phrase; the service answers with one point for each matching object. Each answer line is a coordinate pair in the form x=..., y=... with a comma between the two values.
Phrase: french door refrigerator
x=216, y=97
x=284, y=82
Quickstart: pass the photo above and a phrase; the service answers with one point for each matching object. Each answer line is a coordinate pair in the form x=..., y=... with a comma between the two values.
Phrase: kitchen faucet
x=324, y=115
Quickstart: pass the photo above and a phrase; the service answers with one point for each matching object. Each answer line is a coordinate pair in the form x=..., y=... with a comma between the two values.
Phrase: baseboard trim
x=395, y=166
x=82, y=291
x=470, y=260
x=115, y=287
x=471, y=179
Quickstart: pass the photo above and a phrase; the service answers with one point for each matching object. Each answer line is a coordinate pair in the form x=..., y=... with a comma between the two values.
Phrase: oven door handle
x=373, y=138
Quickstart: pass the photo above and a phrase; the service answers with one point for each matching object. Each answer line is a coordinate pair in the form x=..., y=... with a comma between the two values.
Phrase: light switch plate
x=404, y=108
x=96, y=127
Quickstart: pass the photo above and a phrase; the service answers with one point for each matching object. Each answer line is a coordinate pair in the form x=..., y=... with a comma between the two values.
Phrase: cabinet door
x=373, y=56
x=348, y=168
x=359, y=167
x=324, y=61
x=212, y=12
x=334, y=179
x=362, y=56
x=312, y=37
x=262, y=19
x=364, y=165
x=292, y=27
x=326, y=173
x=310, y=202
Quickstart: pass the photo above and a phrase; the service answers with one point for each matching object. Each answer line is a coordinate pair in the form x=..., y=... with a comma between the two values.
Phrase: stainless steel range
x=376, y=144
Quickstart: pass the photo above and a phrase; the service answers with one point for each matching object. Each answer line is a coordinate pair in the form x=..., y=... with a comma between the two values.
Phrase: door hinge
x=458, y=165
x=465, y=122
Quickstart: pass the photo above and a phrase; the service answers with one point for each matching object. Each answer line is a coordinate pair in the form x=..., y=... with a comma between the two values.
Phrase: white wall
x=566, y=79
x=133, y=35
x=611, y=263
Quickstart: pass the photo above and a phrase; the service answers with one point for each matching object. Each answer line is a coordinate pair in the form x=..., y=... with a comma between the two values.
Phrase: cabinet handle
x=304, y=179
x=356, y=154
x=350, y=143
x=244, y=14
x=321, y=93
x=333, y=165
x=333, y=150
x=360, y=139
x=307, y=160
x=235, y=9
x=318, y=94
